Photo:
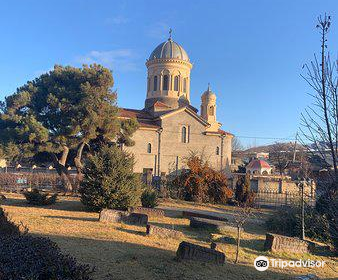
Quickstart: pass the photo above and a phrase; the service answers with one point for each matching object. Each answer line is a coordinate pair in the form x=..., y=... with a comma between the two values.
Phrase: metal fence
x=16, y=182
x=271, y=199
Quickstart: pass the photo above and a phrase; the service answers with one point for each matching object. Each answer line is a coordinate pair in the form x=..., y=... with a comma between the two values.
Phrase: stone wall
x=207, y=224
x=116, y=216
x=163, y=232
x=152, y=212
x=189, y=214
x=113, y=216
x=281, y=243
x=189, y=251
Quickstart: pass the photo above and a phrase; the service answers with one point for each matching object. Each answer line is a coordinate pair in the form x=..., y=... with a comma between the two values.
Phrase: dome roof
x=208, y=93
x=258, y=164
x=169, y=49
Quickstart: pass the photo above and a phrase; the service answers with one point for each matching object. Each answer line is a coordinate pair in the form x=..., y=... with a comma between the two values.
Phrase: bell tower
x=208, y=109
x=168, y=78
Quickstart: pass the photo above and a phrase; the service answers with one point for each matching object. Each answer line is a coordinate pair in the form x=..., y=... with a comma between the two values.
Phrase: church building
x=169, y=126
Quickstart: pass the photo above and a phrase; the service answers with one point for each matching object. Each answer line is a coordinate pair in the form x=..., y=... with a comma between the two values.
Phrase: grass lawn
x=120, y=251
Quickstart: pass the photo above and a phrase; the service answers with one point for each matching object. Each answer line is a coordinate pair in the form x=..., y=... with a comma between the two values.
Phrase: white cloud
x=119, y=59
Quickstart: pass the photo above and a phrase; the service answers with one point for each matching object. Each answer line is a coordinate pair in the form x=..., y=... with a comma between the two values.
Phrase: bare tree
x=320, y=121
x=244, y=213
x=280, y=155
x=236, y=145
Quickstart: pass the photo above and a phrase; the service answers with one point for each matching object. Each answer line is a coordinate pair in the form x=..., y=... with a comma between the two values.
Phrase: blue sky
x=251, y=52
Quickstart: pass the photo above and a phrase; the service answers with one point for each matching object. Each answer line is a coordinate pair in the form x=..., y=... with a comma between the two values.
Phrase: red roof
x=144, y=119
x=258, y=164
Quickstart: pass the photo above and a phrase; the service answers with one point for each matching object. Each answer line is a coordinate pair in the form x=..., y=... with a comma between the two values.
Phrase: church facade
x=170, y=128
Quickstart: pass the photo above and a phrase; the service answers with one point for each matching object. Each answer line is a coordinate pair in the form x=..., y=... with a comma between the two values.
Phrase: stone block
x=189, y=251
x=151, y=212
x=190, y=214
x=116, y=216
x=113, y=216
x=163, y=232
x=217, y=226
x=136, y=219
x=281, y=243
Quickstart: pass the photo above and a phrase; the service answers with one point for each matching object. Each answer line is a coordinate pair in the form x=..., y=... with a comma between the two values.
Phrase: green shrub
x=149, y=198
x=34, y=258
x=287, y=221
x=109, y=181
x=35, y=197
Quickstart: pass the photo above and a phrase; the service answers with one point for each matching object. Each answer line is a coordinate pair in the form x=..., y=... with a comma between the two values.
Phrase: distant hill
x=288, y=146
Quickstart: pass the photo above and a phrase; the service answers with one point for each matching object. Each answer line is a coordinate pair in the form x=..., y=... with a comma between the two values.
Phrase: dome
x=169, y=49
x=208, y=93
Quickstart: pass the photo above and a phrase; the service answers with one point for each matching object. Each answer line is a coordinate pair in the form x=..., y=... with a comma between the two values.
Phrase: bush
x=287, y=221
x=35, y=197
x=7, y=227
x=201, y=183
x=149, y=198
x=109, y=181
x=33, y=258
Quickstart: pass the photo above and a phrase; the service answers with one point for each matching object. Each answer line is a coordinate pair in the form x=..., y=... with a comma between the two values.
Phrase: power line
x=241, y=136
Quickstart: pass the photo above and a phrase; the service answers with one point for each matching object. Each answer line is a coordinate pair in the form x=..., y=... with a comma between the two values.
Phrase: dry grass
x=121, y=251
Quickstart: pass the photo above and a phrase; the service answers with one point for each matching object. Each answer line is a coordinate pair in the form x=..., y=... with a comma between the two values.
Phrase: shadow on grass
x=203, y=235
x=61, y=204
x=73, y=218
x=124, y=260
x=137, y=232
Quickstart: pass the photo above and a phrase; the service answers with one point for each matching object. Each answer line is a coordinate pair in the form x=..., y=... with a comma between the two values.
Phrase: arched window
x=211, y=110
x=176, y=81
x=185, y=85
x=165, y=82
x=184, y=134
x=217, y=150
x=148, y=84
x=149, y=148
x=155, y=83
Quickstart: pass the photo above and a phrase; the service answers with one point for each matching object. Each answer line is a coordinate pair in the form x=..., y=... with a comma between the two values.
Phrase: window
x=217, y=150
x=155, y=83
x=148, y=84
x=149, y=148
x=165, y=82
x=185, y=85
x=211, y=110
x=184, y=135
x=176, y=80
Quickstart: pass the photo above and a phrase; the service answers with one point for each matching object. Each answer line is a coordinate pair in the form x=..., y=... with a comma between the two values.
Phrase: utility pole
x=294, y=149
x=222, y=145
x=159, y=131
x=301, y=185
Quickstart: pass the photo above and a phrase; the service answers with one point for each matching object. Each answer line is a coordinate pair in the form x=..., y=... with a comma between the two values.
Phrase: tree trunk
x=77, y=159
x=325, y=107
x=238, y=242
x=60, y=166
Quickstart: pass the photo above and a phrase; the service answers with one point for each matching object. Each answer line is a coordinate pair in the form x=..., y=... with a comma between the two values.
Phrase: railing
x=272, y=199
x=18, y=181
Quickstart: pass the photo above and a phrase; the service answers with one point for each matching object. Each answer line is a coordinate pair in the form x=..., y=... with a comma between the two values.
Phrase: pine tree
x=109, y=181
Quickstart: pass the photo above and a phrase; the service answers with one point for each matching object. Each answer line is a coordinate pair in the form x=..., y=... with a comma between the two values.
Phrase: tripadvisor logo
x=261, y=263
